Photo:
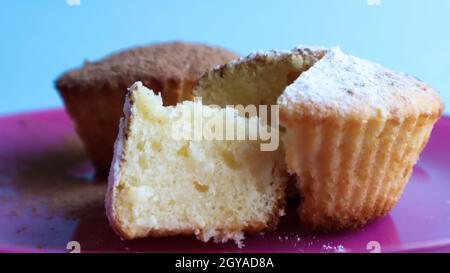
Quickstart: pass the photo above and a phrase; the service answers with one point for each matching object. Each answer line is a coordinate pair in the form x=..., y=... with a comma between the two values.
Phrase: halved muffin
x=163, y=183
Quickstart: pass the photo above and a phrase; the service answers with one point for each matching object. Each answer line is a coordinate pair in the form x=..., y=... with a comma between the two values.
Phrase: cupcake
x=352, y=129
x=355, y=130
x=95, y=93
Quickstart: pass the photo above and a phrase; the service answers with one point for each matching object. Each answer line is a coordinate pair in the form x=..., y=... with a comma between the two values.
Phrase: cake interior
x=257, y=80
x=260, y=80
x=213, y=188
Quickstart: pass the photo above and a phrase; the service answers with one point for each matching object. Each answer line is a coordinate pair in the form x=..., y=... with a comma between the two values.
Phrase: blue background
x=39, y=39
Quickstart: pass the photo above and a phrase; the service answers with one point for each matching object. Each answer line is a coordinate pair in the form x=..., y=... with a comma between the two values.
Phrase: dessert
x=94, y=94
x=162, y=185
x=354, y=129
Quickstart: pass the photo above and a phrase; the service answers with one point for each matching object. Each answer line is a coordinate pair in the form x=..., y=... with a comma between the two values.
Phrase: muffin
x=162, y=184
x=353, y=129
x=94, y=94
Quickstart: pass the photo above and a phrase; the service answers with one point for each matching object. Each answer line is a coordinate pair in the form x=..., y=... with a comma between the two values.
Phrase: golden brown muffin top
x=158, y=63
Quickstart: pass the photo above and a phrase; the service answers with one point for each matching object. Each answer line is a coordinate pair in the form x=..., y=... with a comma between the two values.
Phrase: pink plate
x=49, y=196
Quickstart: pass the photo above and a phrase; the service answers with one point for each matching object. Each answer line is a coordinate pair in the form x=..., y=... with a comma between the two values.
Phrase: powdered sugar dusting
x=348, y=85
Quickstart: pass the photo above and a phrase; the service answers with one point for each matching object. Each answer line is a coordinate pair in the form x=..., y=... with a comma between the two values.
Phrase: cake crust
x=161, y=66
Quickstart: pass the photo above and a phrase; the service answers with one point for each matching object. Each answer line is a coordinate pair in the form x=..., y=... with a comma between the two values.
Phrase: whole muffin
x=352, y=129
x=94, y=94
x=355, y=130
